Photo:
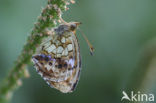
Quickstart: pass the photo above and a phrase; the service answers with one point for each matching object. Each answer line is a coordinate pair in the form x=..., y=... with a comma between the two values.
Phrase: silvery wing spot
x=58, y=60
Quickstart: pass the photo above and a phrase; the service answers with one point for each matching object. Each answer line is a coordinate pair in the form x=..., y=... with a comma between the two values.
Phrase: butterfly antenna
x=89, y=44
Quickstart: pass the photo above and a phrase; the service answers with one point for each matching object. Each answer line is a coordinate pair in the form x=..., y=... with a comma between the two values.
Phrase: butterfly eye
x=72, y=27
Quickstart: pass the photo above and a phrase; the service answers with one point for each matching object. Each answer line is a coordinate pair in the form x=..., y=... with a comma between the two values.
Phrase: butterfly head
x=73, y=25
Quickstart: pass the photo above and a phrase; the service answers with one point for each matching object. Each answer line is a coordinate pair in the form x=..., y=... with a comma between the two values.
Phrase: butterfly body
x=58, y=60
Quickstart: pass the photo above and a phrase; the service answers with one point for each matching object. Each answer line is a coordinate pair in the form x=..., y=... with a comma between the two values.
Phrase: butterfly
x=58, y=59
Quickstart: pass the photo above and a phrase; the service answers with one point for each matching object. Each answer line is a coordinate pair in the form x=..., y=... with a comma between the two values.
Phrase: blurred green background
x=118, y=29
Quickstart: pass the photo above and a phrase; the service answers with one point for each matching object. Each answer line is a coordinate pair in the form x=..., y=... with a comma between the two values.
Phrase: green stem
x=48, y=19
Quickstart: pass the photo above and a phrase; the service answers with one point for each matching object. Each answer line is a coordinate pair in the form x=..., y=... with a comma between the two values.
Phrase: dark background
x=119, y=31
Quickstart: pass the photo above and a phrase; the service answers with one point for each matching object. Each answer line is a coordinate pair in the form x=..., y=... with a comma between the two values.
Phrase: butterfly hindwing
x=58, y=61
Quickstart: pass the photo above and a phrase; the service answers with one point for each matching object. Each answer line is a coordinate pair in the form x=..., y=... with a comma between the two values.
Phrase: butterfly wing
x=58, y=61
